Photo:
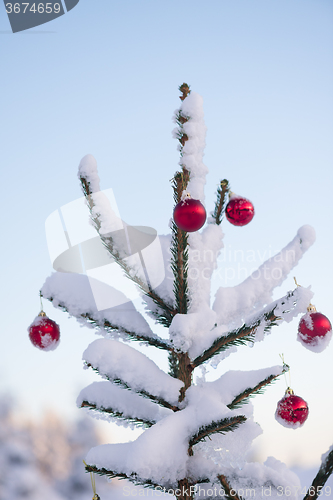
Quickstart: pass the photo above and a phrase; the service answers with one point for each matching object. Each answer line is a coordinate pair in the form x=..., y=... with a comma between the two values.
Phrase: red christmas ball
x=291, y=411
x=189, y=215
x=239, y=211
x=44, y=333
x=314, y=331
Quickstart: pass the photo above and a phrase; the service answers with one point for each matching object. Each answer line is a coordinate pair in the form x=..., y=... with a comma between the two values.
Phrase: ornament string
x=286, y=368
x=93, y=484
x=42, y=313
x=311, y=307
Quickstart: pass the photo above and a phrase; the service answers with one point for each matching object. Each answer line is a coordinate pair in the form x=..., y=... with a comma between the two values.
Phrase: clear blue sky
x=103, y=79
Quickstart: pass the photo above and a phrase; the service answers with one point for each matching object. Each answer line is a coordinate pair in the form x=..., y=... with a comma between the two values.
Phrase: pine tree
x=196, y=435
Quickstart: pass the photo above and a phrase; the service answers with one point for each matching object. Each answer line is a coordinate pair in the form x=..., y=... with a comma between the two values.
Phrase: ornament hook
x=42, y=313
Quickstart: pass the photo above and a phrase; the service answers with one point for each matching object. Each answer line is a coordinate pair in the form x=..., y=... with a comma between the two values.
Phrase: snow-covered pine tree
x=174, y=451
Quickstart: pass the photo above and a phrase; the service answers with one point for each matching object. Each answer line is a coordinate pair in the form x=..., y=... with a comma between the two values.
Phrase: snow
x=202, y=405
x=235, y=382
x=189, y=331
x=204, y=249
x=271, y=480
x=119, y=361
x=193, y=150
x=227, y=450
x=254, y=480
x=324, y=456
x=130, y=405
x=308, y=320
x=88, y=170
x=317, y=344
x=74, y=291
x=195, y=332
x=144, y=458
x=233, y=303
x=285, y=423
x=108, y=218
x=165, y=288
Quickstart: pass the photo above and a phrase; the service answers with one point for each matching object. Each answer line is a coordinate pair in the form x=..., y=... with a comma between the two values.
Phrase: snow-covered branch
x=222, y=191
x=230, y=493
x=113, y=403
x=179, y=250
x=73, y=293
x=240, y=336
x=133, y=478
x=222, y=426
x=244, y=396
x=122, y=364
x=191, y=133
x=254, y=328
x=234, y=303
x=325, y=470
x=107, y=223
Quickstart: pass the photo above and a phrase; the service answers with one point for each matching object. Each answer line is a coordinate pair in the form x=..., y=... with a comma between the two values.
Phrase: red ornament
x=44, y=333
x=239, y=211
x=189, y=215
x=314, y=330
x=291, y=411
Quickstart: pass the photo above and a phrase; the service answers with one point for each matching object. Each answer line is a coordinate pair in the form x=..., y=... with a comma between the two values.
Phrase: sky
x=103, y=79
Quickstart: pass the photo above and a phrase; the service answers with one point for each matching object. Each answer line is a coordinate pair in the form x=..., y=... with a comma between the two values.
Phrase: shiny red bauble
x=239, y=211
x=44, y=333
x=314, y=331
x=189, y=215
x=292, y=411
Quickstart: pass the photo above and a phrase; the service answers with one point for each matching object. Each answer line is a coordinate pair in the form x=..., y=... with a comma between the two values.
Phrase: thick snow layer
x=229, y=449
x=193, y=150
x=109, y=220
x=203, y=404
x=233, y=303
x=204, y=249
x=74, y=292
x=88, y=170
x=269, y=480
x=197, y=331
x=119, y=361
x=235, y=382
x=254, y=480
x=187, y=331
x=143, y=457
x=130, y=405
